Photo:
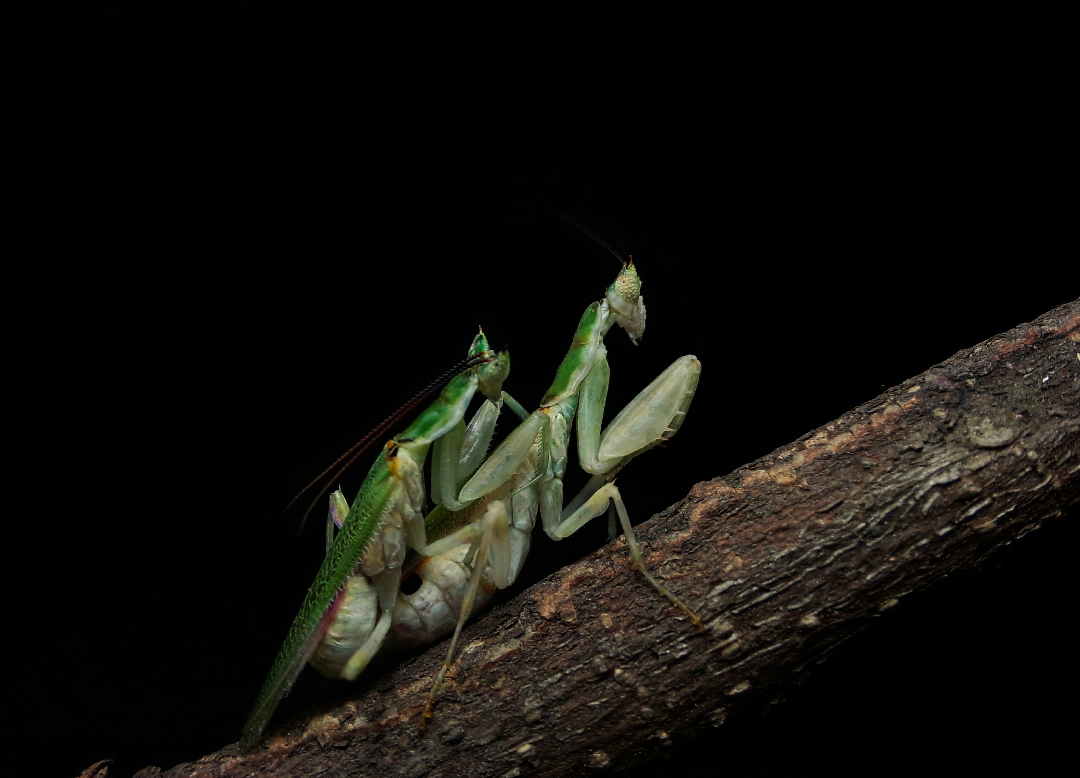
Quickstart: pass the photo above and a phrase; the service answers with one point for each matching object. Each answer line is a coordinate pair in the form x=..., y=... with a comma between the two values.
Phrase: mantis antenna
x=573, y=222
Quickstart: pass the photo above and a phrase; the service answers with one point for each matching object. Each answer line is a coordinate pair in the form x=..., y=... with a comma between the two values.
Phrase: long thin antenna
x=573, y=222
x=357, y=449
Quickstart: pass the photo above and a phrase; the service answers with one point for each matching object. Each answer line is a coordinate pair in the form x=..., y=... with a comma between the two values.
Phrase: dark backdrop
x=240, y=239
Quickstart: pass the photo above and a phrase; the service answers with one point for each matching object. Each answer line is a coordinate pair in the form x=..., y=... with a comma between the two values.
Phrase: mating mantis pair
x=477, y=537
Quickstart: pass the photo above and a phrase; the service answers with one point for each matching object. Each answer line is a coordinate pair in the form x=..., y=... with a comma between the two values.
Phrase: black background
x=242, y=238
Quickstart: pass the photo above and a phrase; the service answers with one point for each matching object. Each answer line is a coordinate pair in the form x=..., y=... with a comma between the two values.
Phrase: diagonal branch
x=784, y=558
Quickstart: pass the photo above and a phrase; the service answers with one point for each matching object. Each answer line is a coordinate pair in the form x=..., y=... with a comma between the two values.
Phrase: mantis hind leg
x=494, y=528
x=598, y=503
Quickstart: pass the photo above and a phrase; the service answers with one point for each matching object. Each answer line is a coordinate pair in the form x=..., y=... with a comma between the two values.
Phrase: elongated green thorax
x=579, y=359
x=446, y=411
x=449, y=407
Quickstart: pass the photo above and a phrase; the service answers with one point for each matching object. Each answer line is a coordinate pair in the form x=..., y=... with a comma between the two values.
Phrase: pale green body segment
x=385, y=517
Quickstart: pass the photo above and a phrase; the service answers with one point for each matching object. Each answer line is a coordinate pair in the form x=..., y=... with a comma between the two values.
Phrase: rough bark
x=784, y=558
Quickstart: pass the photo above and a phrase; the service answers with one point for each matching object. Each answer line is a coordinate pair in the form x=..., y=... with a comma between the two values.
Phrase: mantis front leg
x=458, y=454
x=650, y=418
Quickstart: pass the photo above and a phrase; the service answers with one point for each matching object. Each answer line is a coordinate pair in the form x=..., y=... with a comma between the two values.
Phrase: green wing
x=311, y=622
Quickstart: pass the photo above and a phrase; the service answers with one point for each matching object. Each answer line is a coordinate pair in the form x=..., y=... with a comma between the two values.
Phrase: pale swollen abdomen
x=431, y=612
x=353, y=620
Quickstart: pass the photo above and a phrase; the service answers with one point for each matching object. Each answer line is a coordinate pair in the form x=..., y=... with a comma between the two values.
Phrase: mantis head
x=625, y=303
x=491, y=374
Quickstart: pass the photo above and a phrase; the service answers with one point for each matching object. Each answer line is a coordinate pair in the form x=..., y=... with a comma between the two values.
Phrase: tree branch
x=784, y=559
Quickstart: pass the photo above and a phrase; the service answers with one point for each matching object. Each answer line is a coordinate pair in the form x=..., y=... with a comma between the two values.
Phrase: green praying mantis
x=477, y=538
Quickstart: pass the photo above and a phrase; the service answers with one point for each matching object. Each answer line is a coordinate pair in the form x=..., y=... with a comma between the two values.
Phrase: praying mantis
x=386, y=514
x=477, y=537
